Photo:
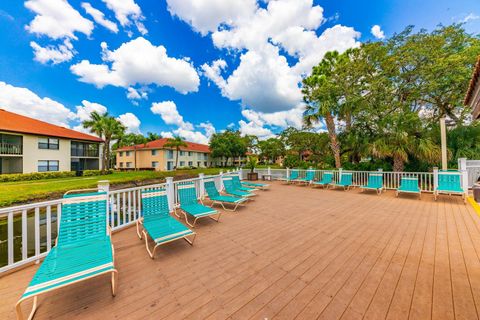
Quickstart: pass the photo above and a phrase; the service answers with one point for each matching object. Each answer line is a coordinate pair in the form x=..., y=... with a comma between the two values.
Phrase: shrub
x=91, y=173
x=35, y=176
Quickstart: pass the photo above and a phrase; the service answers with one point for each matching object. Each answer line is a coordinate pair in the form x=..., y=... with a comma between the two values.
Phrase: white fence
x=391, y=180
x=27, y=232
x=473, y=170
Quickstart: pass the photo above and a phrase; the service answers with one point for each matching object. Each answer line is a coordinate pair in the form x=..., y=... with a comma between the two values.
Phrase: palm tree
x=175, y=143
x=107, y=128
x=152, y=136
x=400, y=140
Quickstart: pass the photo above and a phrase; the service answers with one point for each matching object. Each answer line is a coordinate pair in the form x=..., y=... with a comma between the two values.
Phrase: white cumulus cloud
x=127, y=12
x=138, y=62
x=51, y=53
x=130, y=121
x=99, y=17
x=167, y=110
x=57, y=19
x=27, y=103
x=377, y=32
x=207, y=15
x=87, y=107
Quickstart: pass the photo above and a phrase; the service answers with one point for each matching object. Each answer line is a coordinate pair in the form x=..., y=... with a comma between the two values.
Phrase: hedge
x=91, y=173
x=35, y=176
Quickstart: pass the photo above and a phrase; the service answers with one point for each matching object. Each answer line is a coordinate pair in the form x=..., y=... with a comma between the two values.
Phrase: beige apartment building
x=153, y=155
x=28, y=145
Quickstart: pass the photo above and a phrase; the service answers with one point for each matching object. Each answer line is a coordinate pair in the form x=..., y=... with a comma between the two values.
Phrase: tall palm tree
x=107, y=128
x=152, y=136
x=175, y=143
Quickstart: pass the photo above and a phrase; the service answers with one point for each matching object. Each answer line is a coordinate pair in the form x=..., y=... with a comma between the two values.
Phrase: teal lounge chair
x=327, y=179
x=308, y=179
x=345, y=181
x=231, y=190
x=449, y=182
x=83, y=249
x=188, y=204
x=291, y=178
x=216, y=197
x=261, y=186
x=409, y=185
x=238, y=185
x=375, y=182
x=158, y=223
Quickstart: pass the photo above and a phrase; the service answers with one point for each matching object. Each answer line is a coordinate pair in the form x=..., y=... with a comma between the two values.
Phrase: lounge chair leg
x=114, y=282
x=218, y=217
x=188, y=222
x=138, y=229
x=190, y=241
x=18, y=309
x=150, y=253
x=175, y=212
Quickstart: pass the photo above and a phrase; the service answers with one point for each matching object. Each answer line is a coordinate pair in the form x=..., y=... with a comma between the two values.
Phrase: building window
x=129, y=164
x=205, y=156
x=155, y=164
x=48, y=143
x=154, y=152
x=121, y=164
x=128, y=153
x=47, y=165
x=205, y=163
x=189, y=153
x=182, y=153
x=182, y=163
x=190, y=163
x=169, y=154
x=121, y=153
x=81, y=149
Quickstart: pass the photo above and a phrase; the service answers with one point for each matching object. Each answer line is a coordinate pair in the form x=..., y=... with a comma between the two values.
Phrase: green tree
x=109, y=129
x=151, y=136
x=271, y=149
x=175, y=143
x=228, y=144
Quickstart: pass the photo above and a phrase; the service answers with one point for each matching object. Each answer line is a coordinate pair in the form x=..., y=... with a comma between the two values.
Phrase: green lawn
x=24, y=191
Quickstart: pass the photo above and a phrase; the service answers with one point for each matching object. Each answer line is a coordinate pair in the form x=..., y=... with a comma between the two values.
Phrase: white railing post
x=170, y=193
x=288, y=173
x=435, y=178
x=221, y=180
x=340, y=171
x=240, y=173
x=269, y=171
x=201, y=177
x=103, y=186
x=462, y=164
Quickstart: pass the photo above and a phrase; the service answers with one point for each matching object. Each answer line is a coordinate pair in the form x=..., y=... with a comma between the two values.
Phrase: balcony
x=11, y=148
x=84, y=153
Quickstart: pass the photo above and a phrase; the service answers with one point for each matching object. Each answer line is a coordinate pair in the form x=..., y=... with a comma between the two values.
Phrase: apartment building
x=153, y=155
x=28, y=145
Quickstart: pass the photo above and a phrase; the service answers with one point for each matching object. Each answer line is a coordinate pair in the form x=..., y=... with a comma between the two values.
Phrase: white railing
x=28, y=232
x=473, y=170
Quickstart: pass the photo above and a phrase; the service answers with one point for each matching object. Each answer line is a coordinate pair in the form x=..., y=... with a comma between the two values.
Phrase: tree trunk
x=334, y=144
x=103, y=157
x=107, y=154
x=398, y=164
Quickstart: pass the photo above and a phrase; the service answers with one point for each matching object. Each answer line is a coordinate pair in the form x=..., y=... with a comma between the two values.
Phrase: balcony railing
x=84, y=153
x=11, y=148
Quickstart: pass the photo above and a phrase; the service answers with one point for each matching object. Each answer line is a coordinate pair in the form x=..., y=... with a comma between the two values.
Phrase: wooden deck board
x=294, y=252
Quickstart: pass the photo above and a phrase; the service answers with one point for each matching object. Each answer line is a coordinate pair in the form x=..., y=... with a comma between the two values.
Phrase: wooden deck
x=295, y=252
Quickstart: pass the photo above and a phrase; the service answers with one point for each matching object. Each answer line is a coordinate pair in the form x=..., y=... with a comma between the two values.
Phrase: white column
x=462, y=164
x=201, y=177
x=462, y=167
x=288, y=173
x=435, y=178
x=170, y=193
x=240, y=173
x=221, y=180
x=269, y=171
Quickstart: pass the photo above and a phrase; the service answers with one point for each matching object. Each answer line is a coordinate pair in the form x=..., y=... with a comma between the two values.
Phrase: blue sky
x=188, y=68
